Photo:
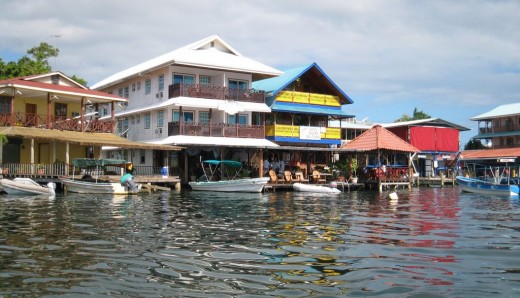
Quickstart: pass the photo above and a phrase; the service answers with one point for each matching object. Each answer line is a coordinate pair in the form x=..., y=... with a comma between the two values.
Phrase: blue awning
x=309, y=109
x=497, y=134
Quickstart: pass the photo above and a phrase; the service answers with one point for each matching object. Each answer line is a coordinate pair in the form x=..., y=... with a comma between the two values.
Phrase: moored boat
x=230, y=182
x=315, y=188
x=95, y=185
x=27, y=186
x=486, y=187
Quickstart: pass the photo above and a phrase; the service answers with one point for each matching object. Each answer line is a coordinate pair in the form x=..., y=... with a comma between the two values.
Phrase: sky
x=450, y=59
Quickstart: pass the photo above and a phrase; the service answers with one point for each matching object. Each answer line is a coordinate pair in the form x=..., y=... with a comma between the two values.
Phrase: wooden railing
x=215, y=92
x=54, y=122
x=60, y=169
x=216, y=130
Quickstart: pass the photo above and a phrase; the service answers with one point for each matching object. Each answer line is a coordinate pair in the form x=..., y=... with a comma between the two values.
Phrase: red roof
x=22, y=83
x=490, y=153
x=379, y=138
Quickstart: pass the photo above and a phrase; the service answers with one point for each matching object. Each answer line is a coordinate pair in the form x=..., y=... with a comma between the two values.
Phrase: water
x=432, y=242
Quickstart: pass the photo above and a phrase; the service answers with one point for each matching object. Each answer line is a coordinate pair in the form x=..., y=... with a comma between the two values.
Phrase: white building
x=198, y=97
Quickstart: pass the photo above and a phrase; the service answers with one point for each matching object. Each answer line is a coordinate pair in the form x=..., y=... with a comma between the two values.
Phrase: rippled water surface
x=431, y=242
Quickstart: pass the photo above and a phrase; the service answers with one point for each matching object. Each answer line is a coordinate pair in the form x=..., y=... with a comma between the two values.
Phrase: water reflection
x=429, y=242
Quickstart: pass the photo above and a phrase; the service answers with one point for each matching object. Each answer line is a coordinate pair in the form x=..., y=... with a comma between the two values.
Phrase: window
x=160, y=82
x=138, y=119
x=160, y=118
x=120, y=92
x=132, y=120
x=147, y=121
x=147, y=86
x=187, y=116
x=186, y=79
x=138, y=85
x=55, y=79
x=204, y=117
x=5, y=105
x=242, y=119
x=60, y=109
x=205, y=80
x=237, y=85
x=133, y=87
x=142, y=154
x=127, y=91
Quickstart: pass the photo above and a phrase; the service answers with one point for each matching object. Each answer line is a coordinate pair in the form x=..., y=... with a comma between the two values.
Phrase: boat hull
x=79, y=186
x=315, y=188
x=484, y=187
x=238, y=185
x=25, y=186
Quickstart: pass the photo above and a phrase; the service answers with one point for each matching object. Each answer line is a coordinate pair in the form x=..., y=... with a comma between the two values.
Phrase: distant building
x=499, y=127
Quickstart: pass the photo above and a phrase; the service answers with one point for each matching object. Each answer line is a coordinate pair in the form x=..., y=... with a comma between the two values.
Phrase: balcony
x=216, y=130
x=215, y=92
x=53, y=122
x=309, y=98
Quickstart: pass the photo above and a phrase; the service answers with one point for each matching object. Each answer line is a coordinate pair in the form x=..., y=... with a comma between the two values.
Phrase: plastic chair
x=316, y=177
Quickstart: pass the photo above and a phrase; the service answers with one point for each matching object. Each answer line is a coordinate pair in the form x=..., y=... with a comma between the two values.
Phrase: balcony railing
x=215, y=92
x=53, y=122
x=293, y=131
x=216, y=130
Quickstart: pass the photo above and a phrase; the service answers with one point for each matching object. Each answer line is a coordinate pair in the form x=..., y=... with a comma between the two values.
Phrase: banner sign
x=310, y=133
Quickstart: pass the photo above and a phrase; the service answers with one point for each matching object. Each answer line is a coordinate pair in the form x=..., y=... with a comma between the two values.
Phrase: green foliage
x=35, y=62
x=3, y=139
x=474, y=144
x=416, y=116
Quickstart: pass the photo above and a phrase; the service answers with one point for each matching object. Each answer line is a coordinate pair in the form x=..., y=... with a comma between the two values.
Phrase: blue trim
x=280, y=106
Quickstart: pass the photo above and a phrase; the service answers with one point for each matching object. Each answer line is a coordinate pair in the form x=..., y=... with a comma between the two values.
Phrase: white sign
x=310, y=133
x=506, y=160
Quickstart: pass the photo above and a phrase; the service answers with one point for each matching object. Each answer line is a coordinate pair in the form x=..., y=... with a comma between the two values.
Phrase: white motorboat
x=91, y=185
x=486, y=187
x=230, y=182
x=27, y=186
x=315, y=188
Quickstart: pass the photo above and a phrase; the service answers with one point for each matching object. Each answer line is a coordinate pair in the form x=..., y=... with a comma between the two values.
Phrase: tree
x=474, y=144
x=35, y=62
x=416, y=116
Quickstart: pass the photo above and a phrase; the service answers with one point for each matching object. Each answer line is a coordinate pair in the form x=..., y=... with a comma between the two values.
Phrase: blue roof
x=280, y=106
x=277, y=84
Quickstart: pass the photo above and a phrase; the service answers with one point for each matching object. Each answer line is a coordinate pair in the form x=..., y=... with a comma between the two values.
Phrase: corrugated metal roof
x=211, y=52
x=379, y=138
x=437, y=122
x=274, y=85
x=182, y=140
x=80, y=138
x=490, y=153
x=309, y=109
x=496, y=134
x=500, y=111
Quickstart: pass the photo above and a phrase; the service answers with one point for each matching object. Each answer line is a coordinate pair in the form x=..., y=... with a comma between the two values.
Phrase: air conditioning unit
x=159, y=94
x=158, y=131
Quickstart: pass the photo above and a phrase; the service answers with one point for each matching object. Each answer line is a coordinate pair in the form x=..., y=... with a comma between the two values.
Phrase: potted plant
x=353, y=170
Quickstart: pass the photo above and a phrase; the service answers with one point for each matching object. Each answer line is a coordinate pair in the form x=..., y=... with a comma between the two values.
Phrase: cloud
x=438, y=55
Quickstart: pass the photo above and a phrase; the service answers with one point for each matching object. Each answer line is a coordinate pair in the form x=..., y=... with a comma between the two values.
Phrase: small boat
x=96, y=185
x=486, y=187
x=315, y=188
x=27, y=186
x=230, y=181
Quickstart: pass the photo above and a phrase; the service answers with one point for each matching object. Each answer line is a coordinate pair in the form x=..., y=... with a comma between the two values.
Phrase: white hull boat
x=231, y=181
x=91, y=185
x=315, y=188
x=237, y=185
x=27, y=186
x=80, y=186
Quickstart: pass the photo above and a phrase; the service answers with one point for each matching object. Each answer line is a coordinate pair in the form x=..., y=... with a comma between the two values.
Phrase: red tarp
x=434, y=138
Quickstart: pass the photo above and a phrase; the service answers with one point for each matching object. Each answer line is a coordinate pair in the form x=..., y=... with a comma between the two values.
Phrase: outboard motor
x=128, y=181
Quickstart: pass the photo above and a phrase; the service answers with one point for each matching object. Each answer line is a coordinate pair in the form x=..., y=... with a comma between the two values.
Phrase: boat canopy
x=94, y=162
x=228, y=163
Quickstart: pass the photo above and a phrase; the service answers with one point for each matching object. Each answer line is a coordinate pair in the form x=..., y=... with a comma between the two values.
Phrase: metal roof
x=274, y=85
x=211, y=52
x=490, y=153
x=500, y=111
x=497, y=134
x=426, y=122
